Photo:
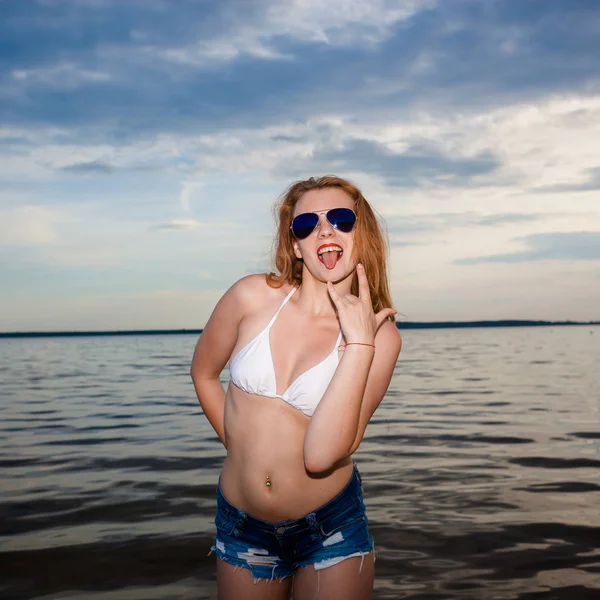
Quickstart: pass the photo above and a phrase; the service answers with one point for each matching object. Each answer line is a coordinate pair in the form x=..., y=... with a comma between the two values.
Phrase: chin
x=337, y=275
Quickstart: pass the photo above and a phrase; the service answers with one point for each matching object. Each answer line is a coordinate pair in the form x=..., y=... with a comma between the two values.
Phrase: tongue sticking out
x=330, y=259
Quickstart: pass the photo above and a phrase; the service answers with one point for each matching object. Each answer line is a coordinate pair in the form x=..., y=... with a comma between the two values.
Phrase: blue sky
x=144, y=142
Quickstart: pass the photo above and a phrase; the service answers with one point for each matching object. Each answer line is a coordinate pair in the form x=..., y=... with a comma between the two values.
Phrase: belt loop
x=358, y=475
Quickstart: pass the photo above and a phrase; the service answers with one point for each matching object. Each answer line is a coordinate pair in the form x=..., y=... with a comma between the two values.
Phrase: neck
x=312, y=296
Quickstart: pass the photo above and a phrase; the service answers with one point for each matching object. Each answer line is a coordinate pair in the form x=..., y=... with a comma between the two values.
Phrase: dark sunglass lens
x=303, y=225
x=342, y=219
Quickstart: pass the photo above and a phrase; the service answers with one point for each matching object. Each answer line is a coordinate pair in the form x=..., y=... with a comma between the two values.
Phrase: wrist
x=361, y=340
x=358, y=344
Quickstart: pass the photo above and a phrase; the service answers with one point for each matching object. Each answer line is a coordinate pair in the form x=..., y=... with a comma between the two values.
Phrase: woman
x=312, y=351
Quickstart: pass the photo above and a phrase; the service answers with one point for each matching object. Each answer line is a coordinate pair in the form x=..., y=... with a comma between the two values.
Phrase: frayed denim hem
x=331, y=562
x=243, y=564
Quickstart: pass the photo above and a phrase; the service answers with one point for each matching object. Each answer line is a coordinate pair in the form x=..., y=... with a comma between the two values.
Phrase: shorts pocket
x=347, y=518
x=225, y=521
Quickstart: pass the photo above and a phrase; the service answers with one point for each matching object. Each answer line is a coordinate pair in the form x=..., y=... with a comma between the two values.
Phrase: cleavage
x=279, y=338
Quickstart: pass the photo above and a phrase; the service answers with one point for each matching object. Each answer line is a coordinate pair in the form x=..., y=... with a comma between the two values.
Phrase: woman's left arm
x=359, y=383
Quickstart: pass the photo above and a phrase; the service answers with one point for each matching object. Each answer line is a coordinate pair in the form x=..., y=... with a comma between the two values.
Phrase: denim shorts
x=333, y=532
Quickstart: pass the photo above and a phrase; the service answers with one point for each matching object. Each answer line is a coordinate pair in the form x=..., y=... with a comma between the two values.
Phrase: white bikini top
x=252, y=370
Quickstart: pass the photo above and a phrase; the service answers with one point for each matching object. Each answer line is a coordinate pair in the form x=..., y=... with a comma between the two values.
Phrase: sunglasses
x=304, y=224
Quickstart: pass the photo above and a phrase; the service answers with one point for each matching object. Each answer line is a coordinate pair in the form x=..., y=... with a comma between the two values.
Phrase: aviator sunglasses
x=304, y=224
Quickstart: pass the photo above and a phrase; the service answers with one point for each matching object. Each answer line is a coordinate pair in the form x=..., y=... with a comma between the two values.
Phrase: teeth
x=330, y=249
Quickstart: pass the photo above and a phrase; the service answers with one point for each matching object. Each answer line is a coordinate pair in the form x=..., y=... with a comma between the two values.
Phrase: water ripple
x=108, y=469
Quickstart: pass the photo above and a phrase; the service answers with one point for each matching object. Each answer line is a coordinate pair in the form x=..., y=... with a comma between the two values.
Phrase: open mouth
x=329, y=255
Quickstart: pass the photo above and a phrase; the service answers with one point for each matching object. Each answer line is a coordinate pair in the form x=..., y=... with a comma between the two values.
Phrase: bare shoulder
x=252, y=292
x=388, y=338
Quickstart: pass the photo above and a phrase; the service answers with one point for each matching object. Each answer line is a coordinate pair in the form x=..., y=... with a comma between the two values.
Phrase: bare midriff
x=265, y=439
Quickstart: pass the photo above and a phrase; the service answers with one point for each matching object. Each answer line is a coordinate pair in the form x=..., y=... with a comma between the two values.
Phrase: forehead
x=323, y=200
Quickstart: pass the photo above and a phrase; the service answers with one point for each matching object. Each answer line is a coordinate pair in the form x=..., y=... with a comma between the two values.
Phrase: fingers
x=383, y=314
x=338, y=300
x=335, y=297
x=363, y=284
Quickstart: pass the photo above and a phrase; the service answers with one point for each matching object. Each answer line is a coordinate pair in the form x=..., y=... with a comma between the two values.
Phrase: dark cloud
x=80, y=30
x=418, y=165
x=289, y=138
x=100, y=167
x=15, y=146
x=571, y=245
x=463, y=53
x=94, y=168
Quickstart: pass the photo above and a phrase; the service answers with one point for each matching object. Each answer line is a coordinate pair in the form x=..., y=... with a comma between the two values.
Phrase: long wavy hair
x=370, y=247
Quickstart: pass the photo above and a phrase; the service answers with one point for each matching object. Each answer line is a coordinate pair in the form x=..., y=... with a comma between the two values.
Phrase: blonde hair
x=370, y=246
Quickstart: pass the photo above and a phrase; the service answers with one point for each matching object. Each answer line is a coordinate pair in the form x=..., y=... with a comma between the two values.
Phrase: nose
x=325, y=228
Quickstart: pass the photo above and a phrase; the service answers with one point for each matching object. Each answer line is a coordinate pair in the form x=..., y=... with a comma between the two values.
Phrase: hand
x=358, y=321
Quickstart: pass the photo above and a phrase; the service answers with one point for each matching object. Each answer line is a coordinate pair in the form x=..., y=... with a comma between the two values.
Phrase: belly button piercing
x=268, y=483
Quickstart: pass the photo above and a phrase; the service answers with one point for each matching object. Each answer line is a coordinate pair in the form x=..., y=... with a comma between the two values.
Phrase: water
x=481, y=468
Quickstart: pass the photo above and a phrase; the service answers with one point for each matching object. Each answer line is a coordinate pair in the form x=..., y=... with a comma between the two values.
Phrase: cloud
x=522, y=147
x=419, y=164
x=592, y=183
x=411, y=224
x=178, y=224
x=93, y=167
x=503, y=219
x=63, y=75
x=157, y=128
x=188, y=190
x=260, y=34
x=102, y=167
x=140, y=76
x=565, y=246
x=430, y=229
x=31, y=226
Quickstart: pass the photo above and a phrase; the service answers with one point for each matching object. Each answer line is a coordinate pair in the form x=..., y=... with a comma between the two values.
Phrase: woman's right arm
x=212, y=352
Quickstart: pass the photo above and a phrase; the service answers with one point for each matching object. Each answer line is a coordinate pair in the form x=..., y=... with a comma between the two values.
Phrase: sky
x=143, y=144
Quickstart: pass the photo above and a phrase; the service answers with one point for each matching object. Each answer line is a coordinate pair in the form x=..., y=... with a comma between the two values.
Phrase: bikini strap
x=282, y=305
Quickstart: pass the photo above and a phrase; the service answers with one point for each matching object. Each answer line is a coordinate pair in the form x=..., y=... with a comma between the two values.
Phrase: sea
x=481, y=468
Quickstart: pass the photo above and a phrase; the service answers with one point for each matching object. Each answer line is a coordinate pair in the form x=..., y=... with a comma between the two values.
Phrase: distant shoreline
x=402, y=325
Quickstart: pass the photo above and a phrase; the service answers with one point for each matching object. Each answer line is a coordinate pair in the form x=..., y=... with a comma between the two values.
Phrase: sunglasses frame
x=318, y=223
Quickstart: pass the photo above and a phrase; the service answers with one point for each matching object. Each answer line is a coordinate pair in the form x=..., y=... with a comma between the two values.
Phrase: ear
x=297, y=250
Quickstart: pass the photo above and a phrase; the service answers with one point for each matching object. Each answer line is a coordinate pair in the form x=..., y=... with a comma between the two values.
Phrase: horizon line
x=400, y=325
